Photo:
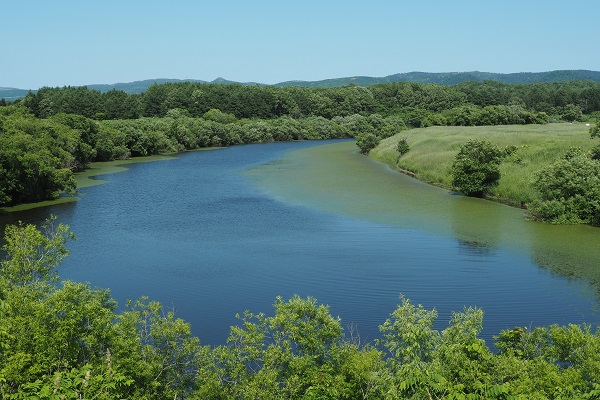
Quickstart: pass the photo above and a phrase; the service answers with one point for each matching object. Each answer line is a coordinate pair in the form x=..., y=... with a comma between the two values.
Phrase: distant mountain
x=11, y=94
x=141, y=86
x=452, y=78
x=442, y=78
x=354, y=80
x=223, y=81
x=137, y=86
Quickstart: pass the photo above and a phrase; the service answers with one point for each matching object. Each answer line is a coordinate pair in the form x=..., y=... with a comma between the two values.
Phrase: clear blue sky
x=59, y=42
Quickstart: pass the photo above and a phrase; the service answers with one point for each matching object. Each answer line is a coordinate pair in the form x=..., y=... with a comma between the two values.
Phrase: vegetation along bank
x=553, y=170
x=47, y=136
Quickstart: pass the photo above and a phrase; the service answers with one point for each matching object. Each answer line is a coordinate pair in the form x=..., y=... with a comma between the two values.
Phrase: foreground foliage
x=68, y=341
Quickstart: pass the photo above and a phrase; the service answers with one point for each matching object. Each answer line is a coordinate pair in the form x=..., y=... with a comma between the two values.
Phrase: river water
x=213, y=233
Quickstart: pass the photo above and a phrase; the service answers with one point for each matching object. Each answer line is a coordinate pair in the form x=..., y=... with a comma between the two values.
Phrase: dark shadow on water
x=473, y=247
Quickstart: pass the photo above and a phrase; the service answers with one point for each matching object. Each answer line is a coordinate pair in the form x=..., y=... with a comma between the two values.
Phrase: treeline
x=54, y=132
x=70, y=341
x=268, y=102
x=39, y=156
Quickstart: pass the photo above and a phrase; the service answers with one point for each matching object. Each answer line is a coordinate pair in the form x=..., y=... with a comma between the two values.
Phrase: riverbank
x=336, y=178
x=432, y=151
x=87, y=178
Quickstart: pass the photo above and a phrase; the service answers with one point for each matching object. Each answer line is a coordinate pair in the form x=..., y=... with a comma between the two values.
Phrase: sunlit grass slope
x=433, y=149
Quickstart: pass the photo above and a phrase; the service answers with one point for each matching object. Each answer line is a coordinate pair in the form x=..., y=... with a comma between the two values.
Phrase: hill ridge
x=442, y=78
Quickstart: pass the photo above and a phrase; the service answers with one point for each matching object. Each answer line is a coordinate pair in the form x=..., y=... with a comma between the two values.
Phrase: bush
x=570, y=191
x=571, y=113
x=595, y=130
x=475, y=169
x=595, y=152
x=402, y=146
x=366, y=142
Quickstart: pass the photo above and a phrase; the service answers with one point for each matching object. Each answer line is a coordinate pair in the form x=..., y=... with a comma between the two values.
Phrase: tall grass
x=432, y=151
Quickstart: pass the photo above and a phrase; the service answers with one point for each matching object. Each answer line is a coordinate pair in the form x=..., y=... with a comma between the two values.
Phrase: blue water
x=198, y=235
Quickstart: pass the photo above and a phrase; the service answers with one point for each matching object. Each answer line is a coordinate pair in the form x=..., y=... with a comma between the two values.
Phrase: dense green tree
x=486, y=93
x=392, y=125
x=217, y=115
x=66, y=341
x=467, y=115
x=402, y=146
x=156, y=350
x=570, y=191
x=111, y=144
x=572, y=112
x=421, y=118
x=33, y=166
x=117, y=104
x=475, y=168
x=408, y=336
x=153, y=99
x=299, y=352
x=595, y=130
x=595, y=153
x=366, y=142
x=248, y=101
x=33, y=255
x=394, y=97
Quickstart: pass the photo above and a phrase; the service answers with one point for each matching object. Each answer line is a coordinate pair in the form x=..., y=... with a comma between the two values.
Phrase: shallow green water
x=338, y=179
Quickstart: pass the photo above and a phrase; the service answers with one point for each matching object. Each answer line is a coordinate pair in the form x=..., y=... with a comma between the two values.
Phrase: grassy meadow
x=432, y=151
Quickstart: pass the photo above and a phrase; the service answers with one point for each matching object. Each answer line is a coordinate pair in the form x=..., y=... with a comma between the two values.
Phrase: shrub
x=475, y=169
x=570, y=191
x=571, y=113
x=366, y=142
x=573, y=152
x=595, y=130
x=402, y=146
x=595, y=152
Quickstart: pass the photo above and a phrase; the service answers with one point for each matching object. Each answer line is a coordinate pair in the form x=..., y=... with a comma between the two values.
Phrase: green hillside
x=441, y=78
x=11, y=94
x=452, y=78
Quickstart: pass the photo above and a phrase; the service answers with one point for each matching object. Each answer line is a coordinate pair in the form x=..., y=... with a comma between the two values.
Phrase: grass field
x=433, y=149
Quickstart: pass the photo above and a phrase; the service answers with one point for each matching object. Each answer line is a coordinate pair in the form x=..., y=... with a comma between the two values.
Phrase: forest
x=52, y=133
x=267, y=102
x=70, y=341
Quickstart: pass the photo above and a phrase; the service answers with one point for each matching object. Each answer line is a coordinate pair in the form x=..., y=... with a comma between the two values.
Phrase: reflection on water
x=476, y=226
x=338, y=179
x=476, y=247
x=211, y=234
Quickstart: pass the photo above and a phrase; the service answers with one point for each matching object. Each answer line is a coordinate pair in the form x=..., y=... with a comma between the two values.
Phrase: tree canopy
x=565, y=99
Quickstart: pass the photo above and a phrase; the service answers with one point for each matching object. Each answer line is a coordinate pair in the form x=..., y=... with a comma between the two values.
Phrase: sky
x=79, y=42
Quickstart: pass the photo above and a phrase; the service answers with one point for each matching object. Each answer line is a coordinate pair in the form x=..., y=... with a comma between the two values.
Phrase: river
x=213, y=233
